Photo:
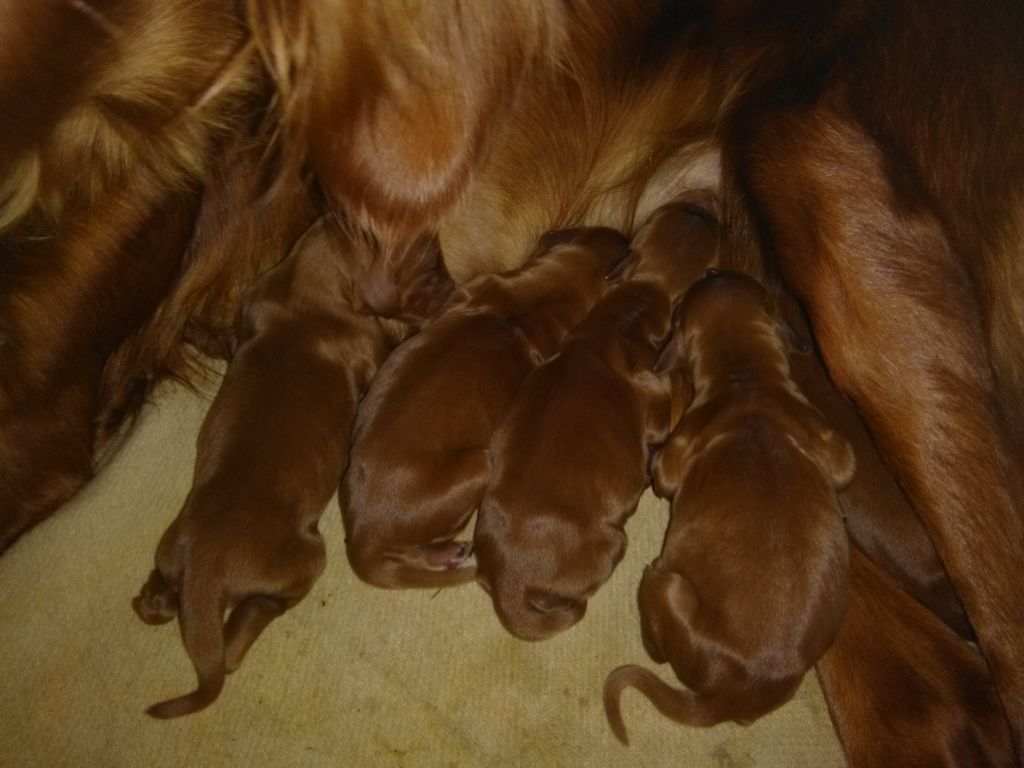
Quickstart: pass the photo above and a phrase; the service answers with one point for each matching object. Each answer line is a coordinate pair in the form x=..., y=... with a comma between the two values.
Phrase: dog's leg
x=903, y=689
x=66, y=303
x=900, y=326
x=158, y=601
x=246, y=623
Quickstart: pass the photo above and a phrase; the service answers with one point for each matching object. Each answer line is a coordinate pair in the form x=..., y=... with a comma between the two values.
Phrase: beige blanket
x=354, y=676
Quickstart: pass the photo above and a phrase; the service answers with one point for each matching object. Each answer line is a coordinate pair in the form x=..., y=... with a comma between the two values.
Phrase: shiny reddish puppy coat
x=571, y=460
x=247, y=539
x=569, y=463
x=419, y=458
x=753, y=579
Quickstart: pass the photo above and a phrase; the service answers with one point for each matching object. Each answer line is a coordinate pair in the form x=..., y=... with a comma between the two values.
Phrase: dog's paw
x=157, y=603
x=461, y=555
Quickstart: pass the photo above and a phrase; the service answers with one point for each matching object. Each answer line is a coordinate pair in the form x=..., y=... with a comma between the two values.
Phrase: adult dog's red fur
x=870, y=149
x=420, y=454
x=752, y=582
x=270, y=455
x=903, y=689
x=103, y=151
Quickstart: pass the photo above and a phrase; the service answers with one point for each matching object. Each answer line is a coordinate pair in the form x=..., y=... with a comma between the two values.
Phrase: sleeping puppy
x=569, y=465
x=419, y=457
x=270, y=455
x=579, y=494
x=752, y=583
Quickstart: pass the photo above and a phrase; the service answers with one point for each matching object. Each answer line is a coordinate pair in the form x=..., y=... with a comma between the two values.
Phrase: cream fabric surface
x=354, y=676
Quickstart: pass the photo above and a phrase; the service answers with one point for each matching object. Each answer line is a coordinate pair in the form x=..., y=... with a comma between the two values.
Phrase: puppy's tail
x=676, y=704
x=201, y=614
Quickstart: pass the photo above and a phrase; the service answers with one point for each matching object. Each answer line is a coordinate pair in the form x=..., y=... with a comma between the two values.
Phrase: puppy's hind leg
x=246, y=623
x=157, y=603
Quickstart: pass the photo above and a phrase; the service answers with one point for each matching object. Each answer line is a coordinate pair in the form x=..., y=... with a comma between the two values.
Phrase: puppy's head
x=677, y=243
x=724, y=314
x=540, y=583
x=406, y=281
x=633, y=319
x=588, y=253
x=723, y=300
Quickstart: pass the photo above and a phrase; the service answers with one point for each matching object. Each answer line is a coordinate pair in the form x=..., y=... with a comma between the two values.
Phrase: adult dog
x=868, y=151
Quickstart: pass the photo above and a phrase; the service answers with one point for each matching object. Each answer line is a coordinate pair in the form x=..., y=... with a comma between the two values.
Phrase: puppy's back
x=762, y=533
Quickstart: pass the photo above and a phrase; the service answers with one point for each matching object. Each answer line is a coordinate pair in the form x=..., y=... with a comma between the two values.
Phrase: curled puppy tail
x=201, y=614
x=676, y=704
x=617, y=680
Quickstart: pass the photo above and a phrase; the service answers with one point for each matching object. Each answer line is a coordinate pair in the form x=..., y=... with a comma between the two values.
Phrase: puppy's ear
x=657, y=393
x=671, y=357
x=665, y=470
x=682, y=395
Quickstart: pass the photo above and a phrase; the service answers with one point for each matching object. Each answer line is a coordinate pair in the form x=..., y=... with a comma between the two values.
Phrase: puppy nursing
x=752, y=583
x=570, y=462
x=419, y=459
x=247, y=539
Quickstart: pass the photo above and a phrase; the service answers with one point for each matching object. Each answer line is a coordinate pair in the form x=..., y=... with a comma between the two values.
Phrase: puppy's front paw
x=445, y=555
x=460, y=552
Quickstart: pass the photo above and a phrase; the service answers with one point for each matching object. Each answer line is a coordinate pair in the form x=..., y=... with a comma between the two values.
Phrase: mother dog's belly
x=558, y=171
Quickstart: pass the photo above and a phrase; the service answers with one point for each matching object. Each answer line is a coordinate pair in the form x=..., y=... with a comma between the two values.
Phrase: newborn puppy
x=672, y=250
x=419, y=459
x=570, y=462
x=270, y=455
x=753, y=579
